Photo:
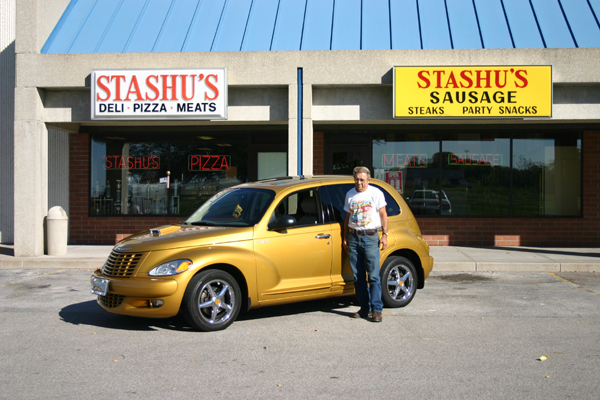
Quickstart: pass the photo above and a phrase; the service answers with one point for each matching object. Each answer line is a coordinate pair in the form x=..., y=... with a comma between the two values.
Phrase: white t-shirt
x=364, y=208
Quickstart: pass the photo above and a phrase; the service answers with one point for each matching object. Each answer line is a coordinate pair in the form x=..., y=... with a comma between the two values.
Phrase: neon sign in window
x=143, y=162
x=404, y=160
x=209, y=163
x=475, y=159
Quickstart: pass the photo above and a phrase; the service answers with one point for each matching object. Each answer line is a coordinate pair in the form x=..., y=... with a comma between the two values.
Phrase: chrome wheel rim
x=400, y=283
x=217, y=301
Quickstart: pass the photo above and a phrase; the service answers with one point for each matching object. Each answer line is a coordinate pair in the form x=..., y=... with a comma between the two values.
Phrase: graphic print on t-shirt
x=361, y=212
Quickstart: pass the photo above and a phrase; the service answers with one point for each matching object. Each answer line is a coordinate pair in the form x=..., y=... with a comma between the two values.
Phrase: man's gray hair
x=360, y=170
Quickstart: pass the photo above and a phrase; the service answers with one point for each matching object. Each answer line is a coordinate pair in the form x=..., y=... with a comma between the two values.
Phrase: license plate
x=99, y=286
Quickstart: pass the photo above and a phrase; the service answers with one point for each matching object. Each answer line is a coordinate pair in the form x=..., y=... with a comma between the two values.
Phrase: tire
x=212, y=300
x=399, y=282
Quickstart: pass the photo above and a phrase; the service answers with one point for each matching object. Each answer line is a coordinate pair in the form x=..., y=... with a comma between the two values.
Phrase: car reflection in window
x=427, y=202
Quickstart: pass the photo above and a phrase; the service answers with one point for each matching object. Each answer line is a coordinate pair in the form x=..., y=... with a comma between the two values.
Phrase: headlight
x=171, y=268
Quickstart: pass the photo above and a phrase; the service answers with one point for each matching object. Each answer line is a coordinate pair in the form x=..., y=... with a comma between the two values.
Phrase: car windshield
x=233, y=207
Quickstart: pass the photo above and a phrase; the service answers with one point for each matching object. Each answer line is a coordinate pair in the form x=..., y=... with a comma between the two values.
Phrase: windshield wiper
x=203, y=223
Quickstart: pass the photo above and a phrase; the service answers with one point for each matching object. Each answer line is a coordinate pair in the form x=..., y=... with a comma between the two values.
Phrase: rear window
x=337, y=194
x=392, y=206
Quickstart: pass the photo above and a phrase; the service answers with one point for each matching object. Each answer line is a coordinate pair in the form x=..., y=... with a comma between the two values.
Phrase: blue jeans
x=363, y=252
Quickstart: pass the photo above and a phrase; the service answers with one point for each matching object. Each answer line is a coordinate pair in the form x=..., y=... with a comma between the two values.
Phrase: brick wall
x=84, y=229
x=318, y=153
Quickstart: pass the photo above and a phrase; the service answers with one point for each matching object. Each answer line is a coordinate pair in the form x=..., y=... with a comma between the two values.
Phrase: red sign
x=475, y=159
x=209, y=163
x=142, y=162
x=394, y=179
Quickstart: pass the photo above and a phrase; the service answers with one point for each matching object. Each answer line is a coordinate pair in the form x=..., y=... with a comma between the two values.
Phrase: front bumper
x=133, y=296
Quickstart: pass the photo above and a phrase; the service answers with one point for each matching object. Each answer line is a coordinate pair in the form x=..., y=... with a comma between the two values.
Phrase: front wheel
x=212, y=300
x=398, y=282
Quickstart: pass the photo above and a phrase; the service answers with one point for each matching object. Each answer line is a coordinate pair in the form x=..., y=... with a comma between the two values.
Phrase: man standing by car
x=365, y=214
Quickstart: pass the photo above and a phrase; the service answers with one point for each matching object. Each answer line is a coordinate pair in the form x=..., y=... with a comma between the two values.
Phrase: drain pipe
x=300, y=117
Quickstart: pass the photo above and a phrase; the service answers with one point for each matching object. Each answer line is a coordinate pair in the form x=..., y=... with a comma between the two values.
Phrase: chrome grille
x=111, y=300
x=121, y=265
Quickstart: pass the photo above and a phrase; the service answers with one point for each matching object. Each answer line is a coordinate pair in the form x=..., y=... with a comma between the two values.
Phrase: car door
x=295, y=262
x=333, y=199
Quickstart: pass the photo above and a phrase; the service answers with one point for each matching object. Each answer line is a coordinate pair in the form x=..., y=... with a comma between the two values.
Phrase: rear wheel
x=212, y=300
x=398, y=282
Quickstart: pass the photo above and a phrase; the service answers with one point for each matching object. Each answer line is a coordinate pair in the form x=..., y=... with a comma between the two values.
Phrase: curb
x=513, y=267
x=28, y=263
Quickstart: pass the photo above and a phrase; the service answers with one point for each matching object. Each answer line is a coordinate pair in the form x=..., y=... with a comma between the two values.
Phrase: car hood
x=178, y=236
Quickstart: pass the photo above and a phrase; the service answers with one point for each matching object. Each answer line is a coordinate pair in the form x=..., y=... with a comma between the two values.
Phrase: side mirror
x=284, y=222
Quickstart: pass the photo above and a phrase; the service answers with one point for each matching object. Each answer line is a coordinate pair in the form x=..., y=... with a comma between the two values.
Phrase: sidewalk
x=78, y=256
x=446, y=259
x=515, y=259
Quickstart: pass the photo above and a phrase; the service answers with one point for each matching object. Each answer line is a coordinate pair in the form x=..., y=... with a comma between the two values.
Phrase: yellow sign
x=473, y=92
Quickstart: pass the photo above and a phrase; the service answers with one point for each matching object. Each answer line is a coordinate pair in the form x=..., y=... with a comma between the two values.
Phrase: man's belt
x=361, y=232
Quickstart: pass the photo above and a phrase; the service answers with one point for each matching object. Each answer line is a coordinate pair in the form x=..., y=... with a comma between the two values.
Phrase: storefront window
x=125, y=177
x=200, y=171
x=547, y=174
x=158, y=177
x=500, y=173
x=411, y=164
x=476, y=174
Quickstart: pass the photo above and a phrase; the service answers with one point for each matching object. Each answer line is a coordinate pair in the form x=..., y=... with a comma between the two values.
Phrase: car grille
x=111, y=300
x=121, y=265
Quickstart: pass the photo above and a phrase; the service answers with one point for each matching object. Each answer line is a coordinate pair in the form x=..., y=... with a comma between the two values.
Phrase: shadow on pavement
x=89, y=313
x=327, y=305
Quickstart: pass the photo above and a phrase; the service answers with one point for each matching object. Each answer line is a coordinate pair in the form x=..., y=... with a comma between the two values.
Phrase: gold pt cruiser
x=253, y=245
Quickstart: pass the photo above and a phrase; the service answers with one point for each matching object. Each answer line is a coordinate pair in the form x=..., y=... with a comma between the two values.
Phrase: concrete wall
x=7, y=112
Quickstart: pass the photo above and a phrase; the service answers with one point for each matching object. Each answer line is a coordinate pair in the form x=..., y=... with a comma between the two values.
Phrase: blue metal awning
x=124, y=26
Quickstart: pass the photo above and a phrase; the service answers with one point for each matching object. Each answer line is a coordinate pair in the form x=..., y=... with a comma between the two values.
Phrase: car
x=427, y=202
x=270, y=242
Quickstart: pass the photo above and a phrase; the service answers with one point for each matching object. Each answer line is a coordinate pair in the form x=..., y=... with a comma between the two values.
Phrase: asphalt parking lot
x=467, y=335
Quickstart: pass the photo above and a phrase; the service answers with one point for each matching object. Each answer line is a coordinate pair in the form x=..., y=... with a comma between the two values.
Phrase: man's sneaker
x=362, y=313
x=376, y=317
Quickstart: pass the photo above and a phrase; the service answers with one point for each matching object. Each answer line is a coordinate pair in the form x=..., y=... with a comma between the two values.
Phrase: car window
x=336, y=194
x=305, y=206
x=392, y=206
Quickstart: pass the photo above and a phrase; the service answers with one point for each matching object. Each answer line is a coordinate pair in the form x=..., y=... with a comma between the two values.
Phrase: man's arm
x=345, y=231
x=384, y=227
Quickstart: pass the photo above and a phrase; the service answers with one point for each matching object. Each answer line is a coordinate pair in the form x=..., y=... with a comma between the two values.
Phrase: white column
x=31, y=187
x=30, y=134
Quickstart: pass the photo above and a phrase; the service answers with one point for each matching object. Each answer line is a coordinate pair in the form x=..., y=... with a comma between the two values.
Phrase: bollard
x=57, y=231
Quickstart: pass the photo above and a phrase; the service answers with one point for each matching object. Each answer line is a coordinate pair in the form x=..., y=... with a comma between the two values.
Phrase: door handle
x=326, y=236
